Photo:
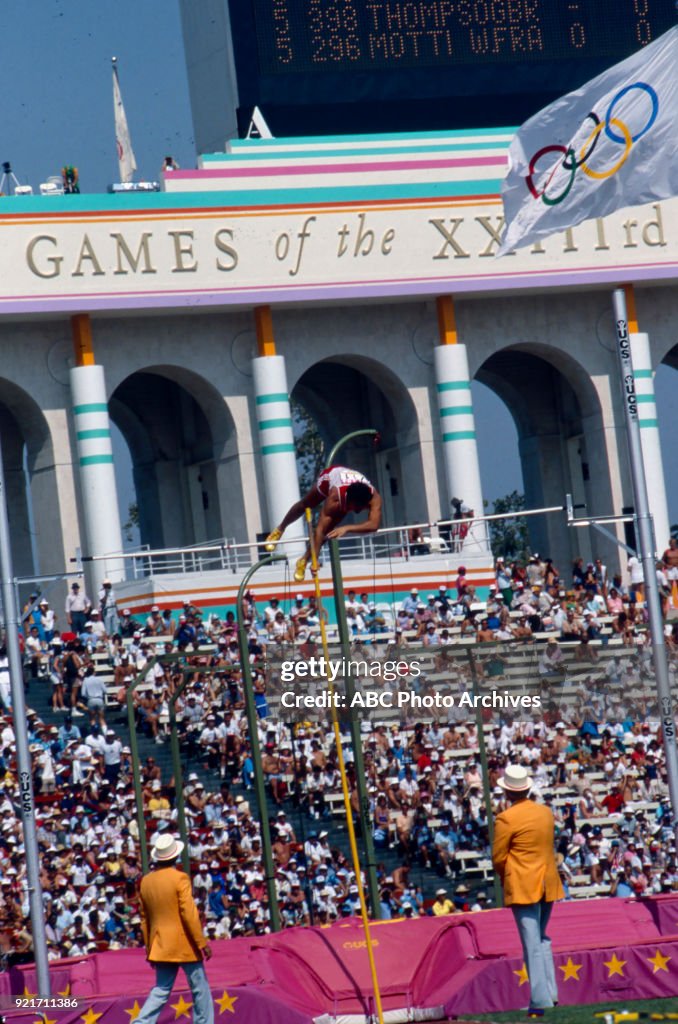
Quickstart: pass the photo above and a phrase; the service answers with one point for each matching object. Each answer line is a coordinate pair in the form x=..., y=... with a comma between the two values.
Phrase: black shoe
x=535, y=1011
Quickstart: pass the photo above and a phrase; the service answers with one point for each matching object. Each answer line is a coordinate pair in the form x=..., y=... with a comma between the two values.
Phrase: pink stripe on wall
x=378, y=165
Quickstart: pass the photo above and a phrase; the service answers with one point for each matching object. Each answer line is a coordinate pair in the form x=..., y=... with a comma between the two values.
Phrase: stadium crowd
x=597, y=761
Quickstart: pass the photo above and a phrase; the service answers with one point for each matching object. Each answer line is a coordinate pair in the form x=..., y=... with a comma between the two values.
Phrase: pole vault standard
x=23, y=757
x=342, y=771
x=646, y=543
x=255, y=747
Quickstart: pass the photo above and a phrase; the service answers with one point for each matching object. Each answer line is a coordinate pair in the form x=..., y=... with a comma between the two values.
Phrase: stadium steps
x=38, y=699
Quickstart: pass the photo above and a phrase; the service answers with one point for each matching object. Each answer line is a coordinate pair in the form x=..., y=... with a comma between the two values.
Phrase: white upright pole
x=97, y=472
x=646, y=543
x=277, y=446
x=23, y=757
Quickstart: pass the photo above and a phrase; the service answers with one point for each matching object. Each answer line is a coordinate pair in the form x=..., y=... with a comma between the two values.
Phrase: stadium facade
x=357, y=275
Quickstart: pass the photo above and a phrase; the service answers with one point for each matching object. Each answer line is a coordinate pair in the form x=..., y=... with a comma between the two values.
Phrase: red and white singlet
x=341, y=478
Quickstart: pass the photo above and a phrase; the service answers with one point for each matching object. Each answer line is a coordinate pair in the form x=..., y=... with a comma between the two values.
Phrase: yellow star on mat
x=226, y=1003
x=134, y=1011
x=615, y=966
x=522, y=975
x=570, y=970
x=658, y=962
x=45, y=1020
x=27, y=994
x=66, y=991
x=181, y=1008
x=90, y=1017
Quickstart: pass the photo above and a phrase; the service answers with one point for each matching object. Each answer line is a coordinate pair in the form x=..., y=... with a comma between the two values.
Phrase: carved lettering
x=653, y=230
x=87, y=254
x=133, y=259
x=494, y=233
x=224, y=246
x=450, y=240
x=54, y=260
x=183, y=250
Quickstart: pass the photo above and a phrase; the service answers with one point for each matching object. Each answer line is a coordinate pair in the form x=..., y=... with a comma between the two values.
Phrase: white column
x=277, y=447
x=649, y=437
x=457, y=427
x=97, y=474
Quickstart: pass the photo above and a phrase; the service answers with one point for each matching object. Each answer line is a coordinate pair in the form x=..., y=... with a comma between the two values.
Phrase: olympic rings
x=623, y=136
x=600, y=175
x=595, y=135
x=653, y=116
x=530, y=178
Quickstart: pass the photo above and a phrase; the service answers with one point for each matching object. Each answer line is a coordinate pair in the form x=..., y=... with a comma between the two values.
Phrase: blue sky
x=57, y=99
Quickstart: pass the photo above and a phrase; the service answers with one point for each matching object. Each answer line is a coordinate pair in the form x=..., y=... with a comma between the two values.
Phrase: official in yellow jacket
x=173, y=935
x=524, y=858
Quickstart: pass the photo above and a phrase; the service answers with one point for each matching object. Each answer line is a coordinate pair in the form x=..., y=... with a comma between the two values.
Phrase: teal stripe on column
x=642, y=374
x=279, y=397
x=460, y=435
x=87, y=435
x=269, y=424
x=648, y=423
x=645, y=398
x=457, y=410
x=91, y=407
x=275, y=449
x=95, y=460
x=455, y=385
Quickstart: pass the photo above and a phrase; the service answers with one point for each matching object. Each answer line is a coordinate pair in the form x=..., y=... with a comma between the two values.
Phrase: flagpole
x=646, y=544
x=26, y=793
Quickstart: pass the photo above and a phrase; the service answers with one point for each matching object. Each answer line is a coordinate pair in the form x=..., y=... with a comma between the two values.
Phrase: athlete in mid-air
x=339, y=490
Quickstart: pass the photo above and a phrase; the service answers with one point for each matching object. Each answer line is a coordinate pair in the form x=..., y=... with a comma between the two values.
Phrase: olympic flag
x=610, y=144
x=126, y=160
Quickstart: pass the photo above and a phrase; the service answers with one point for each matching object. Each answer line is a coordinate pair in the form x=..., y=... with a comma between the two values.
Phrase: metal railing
x=227, y=555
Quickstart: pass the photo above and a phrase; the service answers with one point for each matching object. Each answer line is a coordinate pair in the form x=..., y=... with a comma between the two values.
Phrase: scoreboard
x=334, y=66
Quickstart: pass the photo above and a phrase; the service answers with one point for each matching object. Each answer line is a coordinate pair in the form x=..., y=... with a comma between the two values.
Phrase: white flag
x=126, y=160
x=613, y=143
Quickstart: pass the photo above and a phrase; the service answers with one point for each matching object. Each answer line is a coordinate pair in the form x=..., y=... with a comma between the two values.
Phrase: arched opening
x=560, y=444
x=180, y=437
x=501, y=471
x=30, y=484
x=341, y=395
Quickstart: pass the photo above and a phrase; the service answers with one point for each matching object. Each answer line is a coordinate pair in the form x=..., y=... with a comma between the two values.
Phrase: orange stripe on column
x=631, y=311
x=263, y=321
x=447, y=323
x=81, y=327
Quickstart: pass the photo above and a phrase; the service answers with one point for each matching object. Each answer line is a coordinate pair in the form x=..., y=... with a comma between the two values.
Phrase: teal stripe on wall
x=642, y=374
x=648, y=423
x=645, y=398
x=455, y=385
x=88, y=435
x=460, y=435
x=92, y=407
x=269, y=424
x=457, y=410
x=265, y=399
x=95, y=460
x=275, y=449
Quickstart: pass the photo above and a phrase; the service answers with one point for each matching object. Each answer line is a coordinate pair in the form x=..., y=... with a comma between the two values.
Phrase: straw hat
x=516, y=779
x=166, y=848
